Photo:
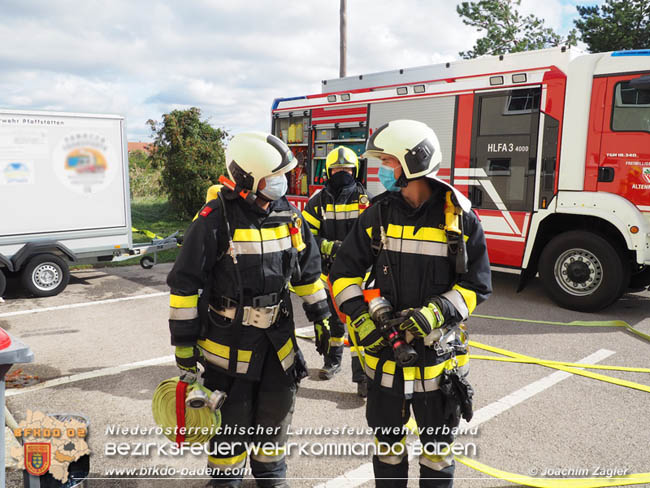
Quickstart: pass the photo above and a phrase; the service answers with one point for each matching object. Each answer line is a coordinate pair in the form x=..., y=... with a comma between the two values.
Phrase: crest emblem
x=646, y=174
x=37, y=457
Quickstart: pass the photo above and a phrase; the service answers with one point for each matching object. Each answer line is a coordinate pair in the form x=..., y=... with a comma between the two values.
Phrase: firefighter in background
x=404, y=238
x=243, y=250
x=331, y=214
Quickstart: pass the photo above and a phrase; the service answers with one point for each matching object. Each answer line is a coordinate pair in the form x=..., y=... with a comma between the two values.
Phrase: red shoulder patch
x=205, y=212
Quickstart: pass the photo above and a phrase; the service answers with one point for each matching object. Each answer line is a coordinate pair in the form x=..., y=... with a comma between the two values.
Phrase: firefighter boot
x=332, y=363
x=270, y=474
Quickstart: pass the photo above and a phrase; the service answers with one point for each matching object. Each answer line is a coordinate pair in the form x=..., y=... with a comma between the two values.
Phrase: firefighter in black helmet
x=429, y=261
x=331, y=212
x=242, y=250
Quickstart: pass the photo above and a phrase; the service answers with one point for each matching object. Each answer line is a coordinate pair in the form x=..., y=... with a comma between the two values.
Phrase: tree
x=190, y=153
x=616, y=25
x=506, y=30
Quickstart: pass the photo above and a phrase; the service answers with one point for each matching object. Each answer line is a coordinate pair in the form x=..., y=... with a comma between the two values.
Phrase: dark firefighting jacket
x=411, y=269
x=331, y=215
x=267, y=260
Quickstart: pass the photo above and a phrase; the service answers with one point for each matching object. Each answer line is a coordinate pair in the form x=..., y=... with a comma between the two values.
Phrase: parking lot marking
x=84, y=304
x=64, y=380
x=364, y=473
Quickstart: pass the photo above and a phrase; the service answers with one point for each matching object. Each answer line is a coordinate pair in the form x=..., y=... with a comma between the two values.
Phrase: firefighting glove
x=322, y=331
x=420, y=322
x=369, y=336
x=186, y=358
x=328, y=249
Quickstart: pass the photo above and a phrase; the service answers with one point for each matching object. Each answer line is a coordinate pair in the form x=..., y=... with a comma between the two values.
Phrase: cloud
x=231, y=59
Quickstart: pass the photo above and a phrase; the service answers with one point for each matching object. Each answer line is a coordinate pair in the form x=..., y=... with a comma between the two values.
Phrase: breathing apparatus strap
x=454, y=230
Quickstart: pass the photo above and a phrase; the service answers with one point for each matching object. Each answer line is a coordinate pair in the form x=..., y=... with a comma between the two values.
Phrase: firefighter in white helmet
x=242, y=250
x=429, y=262
x=331, y=212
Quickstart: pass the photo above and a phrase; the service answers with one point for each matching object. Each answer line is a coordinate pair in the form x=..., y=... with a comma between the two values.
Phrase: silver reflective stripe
x=442, y=462
x=424, y=248
x=183, y=313
x=429, y=385
x=315, y=297
x=242, y=367
x=370, y=372
x=288, y=361
x=262, y=458
x=284, y=213
x=458, y=302
x=214, y=359
x=387, y=380
x=348, y=292
x=390, y=459
x=247, y=247
x=276, y=245
x=408, y=387
x=353, y=214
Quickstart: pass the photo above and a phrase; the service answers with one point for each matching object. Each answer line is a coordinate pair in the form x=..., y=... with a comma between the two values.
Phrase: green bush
x=190, y=153
x=144, y=179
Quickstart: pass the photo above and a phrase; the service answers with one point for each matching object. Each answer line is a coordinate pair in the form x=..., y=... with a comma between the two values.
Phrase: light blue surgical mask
x=276, y=187
x=387, y=178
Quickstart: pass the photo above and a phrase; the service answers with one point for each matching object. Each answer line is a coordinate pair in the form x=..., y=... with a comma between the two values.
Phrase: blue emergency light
x=632, y=52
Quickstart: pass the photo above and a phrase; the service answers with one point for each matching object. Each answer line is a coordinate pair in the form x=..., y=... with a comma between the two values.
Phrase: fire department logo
x=646, y=174
x=37, y=457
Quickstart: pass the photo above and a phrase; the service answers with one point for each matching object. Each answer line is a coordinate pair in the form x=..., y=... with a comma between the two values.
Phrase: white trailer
x=64, y=196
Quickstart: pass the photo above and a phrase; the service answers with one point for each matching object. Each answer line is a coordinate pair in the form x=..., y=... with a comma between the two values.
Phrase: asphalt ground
x=558, y=426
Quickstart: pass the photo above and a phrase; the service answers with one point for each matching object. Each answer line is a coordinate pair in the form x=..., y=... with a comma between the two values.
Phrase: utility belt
x=261, y=311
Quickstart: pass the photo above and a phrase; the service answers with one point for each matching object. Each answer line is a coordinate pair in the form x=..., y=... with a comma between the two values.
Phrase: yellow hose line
x=575, y=323
x=595, y=376
x=561, y=363
x=630, y=479
x=163, y=407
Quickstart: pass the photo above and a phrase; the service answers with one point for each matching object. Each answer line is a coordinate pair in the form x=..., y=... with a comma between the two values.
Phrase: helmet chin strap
x=402, y=182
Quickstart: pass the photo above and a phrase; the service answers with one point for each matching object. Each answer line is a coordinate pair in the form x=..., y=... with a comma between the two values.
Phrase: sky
x=144, y=58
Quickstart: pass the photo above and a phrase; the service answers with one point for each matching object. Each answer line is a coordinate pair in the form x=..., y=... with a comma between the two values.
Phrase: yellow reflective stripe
x=178, y=301
x=342, y=283
x=214, y=348
x=229, y=461
x=304, y=290
x=313, y=231
x=468, y=295
x=429, y=234
x=313, y=221
x=267, y=234
x=389, y=367
x=244, y=356
x=347, y=207
x=431, y=372
x=409, y=373
x=371, y=361
x=369, y=231
x=285, y=350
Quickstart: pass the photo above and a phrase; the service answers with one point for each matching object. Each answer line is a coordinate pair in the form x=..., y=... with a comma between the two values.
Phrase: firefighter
x=331, y=213
x=242, y=250
x=418, y=264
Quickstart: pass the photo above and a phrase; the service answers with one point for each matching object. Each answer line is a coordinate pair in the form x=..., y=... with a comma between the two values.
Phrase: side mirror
x=641, y=83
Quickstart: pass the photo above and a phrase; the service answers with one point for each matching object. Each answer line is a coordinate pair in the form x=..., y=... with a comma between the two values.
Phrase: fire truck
x=552, y=147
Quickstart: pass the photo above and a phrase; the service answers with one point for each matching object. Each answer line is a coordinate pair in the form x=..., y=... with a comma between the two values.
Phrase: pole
x=343, y=39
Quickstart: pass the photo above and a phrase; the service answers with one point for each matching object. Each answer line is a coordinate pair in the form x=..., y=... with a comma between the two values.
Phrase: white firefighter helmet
x=252, y=156
x=416, y=147
x=342, y=157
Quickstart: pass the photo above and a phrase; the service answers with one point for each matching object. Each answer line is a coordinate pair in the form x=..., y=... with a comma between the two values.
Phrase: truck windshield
x=631, y=111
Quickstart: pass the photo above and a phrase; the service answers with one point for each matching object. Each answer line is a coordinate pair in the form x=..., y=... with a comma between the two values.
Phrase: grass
x=153, y=214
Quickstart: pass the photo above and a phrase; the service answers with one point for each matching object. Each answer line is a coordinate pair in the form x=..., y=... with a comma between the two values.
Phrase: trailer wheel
x=45, y=275
x=3, y=283
x=146, y=262
x=582, y=271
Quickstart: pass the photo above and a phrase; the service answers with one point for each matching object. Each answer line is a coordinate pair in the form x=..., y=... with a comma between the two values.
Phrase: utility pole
x=344, y=39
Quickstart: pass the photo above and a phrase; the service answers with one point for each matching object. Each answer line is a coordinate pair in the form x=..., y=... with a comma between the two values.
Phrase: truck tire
x=582, y=271
x=45, y=275
x=3, y=283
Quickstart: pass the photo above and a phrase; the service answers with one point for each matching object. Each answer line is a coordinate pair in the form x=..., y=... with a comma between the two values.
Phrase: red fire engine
x=551, y=146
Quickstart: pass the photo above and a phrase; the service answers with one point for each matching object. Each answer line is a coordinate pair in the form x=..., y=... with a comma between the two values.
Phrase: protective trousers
x=255, y=413
x=337, y=331
x=386, y=415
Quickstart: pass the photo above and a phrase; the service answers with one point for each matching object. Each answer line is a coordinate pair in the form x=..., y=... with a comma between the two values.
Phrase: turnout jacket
x=266, y=261
x=415, y=252
x=331, y=216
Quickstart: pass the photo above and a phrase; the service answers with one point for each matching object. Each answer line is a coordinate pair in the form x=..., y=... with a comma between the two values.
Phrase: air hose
x=200, y=423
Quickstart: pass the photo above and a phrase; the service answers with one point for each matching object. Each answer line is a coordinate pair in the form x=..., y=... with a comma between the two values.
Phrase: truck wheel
x=45, y=275
x=146, y=262
x=582, y=271
x=3, y=283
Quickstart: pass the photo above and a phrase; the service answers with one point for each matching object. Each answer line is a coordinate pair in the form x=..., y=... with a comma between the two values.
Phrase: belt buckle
x=261, y=317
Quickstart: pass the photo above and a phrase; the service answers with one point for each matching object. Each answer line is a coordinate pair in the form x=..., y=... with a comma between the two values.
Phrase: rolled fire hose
x=201, y=419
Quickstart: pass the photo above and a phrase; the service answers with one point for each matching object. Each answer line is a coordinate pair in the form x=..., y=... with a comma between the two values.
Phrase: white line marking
x=64, y=380
x=364, y=473
x=84, y=304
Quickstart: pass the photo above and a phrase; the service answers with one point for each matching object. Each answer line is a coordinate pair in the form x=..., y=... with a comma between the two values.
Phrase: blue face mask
x=387, y=178
x=276, y=187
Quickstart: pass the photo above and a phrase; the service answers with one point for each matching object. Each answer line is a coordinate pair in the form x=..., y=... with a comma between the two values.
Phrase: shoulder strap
x=454, y=231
